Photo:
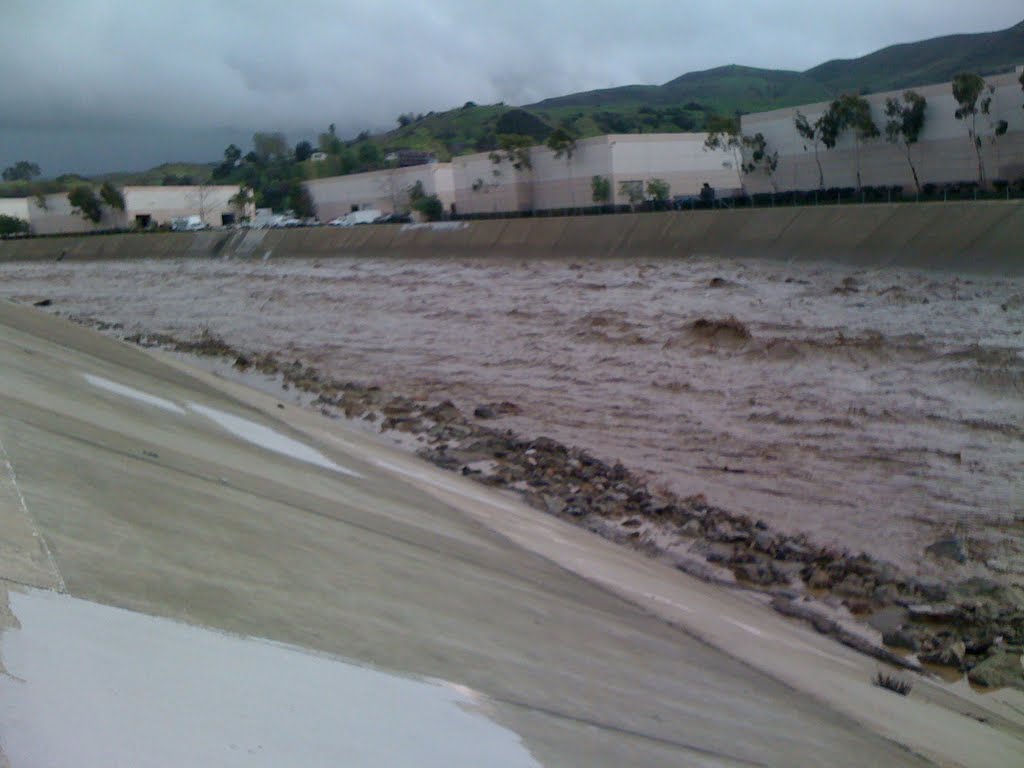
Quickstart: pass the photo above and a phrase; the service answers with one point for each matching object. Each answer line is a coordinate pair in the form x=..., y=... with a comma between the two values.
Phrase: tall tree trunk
x=856, y=156
x=913, y=170
x=977, y=151
x=821, y=173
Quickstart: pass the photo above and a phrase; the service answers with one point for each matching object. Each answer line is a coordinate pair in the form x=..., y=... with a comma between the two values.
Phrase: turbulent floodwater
x=879, y=410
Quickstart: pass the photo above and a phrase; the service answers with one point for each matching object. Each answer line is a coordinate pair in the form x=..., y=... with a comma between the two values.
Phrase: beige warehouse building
x=144, y=207
x=489, y=183
x=943, y=155
x=387, y=190
x=559, y=183
x=216, y=205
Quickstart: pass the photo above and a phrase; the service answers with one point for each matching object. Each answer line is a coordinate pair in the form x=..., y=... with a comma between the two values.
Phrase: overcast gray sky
x=96, y=85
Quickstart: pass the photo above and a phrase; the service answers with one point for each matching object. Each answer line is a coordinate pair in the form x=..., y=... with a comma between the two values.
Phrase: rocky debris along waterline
x=976, y=624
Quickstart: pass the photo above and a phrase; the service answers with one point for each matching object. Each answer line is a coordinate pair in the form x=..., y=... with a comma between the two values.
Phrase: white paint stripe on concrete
x=134, y=394
x=744, y=627
x=265, y=437
x=92, y=686
x=28, y=517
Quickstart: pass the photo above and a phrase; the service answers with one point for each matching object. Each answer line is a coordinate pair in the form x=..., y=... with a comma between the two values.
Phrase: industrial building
x=387, y=190
x=216, y=205
x=626, y=161
x=489, y=182
x=944, y=154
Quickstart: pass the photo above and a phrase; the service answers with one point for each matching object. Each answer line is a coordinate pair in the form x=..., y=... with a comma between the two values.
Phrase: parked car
x=395, y=218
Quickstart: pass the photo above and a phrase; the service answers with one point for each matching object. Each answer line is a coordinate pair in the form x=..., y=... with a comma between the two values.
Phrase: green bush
x=11, y=225
x=430, y=206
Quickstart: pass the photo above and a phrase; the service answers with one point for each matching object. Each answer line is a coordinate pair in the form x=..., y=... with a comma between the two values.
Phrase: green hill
x=684, y=103
x=722, y=89
x=928, y=61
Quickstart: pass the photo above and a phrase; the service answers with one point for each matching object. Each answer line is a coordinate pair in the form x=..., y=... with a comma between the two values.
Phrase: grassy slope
x=198, y=172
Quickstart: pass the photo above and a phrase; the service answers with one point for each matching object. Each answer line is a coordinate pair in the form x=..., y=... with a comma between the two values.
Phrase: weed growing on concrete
x=893, y=683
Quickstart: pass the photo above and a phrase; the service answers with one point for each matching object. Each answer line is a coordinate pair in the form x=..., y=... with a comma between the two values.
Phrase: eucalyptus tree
x=852, y=112
x=757, y=157
x=969, y=91
x=112, y=196
x=905, y=124
x=811, y=133
x=514, y=148
x=563, y=144
x=724, y=135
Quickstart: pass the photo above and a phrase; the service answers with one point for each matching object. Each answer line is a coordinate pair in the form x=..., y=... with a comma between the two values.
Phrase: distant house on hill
x=406, y=158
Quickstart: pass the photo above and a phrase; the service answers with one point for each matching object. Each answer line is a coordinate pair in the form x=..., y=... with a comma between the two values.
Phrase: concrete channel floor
x=125, y=481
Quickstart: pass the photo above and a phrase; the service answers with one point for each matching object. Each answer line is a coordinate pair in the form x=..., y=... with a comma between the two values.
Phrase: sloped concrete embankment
x=971, y=237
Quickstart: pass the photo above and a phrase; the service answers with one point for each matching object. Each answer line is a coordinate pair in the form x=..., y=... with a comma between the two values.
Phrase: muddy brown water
x=877, y=410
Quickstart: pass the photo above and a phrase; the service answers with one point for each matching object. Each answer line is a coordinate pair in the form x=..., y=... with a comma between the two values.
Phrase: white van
x=188, y=224
x=367, y=216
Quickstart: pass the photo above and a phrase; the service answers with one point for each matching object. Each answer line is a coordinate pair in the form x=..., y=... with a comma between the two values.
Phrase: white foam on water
x=268, y=438
x=131, y=392
x=92, y=686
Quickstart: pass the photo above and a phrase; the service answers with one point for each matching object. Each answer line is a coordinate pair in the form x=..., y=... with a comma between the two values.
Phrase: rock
x=951, y=548
x=949, y=654
x=901, y=638
x=485, y=412
x=757, y=572
x=979, y=586
x=728, y=533
x=715, y=552
x=853, y=586
x=931, y=590
x=793, y=549
x=819, y=578
x=553, y=505
x=979, y=644
x=938, y=612
x=443, y=412
x=888, y=619
x=998, y=671
x=44, y=302
x=691, y=528
x=763, y=541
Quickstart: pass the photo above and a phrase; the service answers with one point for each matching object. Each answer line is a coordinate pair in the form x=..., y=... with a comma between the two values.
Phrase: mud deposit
x=880, y=411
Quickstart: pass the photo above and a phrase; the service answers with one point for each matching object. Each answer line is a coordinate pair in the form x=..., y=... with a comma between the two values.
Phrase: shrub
x=11, y=225
x=430, y=206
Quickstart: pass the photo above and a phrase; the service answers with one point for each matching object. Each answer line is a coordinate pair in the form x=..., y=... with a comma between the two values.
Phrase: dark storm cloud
x=99, y=84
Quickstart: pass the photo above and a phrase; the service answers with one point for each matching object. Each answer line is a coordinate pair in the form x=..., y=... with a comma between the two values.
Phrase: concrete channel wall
x=967, y=236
